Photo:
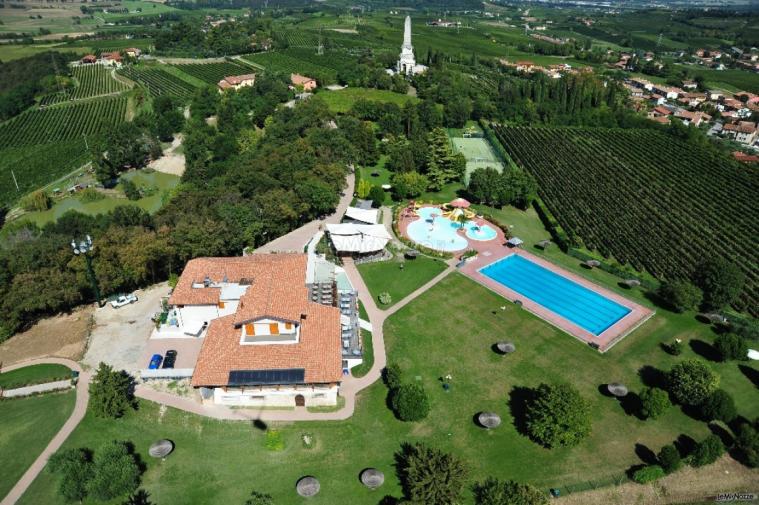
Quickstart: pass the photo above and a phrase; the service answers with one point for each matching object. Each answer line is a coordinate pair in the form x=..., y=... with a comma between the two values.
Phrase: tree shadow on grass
x=652, y=377
x=645, y=454
x=751, y=374
x=632, y=405
x=724, y=435
x=704, y=349
x=685, y=445
x=519, y=399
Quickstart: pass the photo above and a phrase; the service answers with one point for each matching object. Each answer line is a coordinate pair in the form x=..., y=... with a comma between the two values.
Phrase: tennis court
x=478, y=154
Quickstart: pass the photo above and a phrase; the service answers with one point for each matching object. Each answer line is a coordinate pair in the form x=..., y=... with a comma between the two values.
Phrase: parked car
x=122, y=300
x=155, y=362
x=170, y=359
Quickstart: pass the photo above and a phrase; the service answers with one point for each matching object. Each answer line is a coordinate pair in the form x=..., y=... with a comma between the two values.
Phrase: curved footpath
x=80, y=408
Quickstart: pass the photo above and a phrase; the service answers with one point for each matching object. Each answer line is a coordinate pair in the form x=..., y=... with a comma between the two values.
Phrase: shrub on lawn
x=731, y=347
x=430, y=476
x=692, y=381
x=675, y=348
x=680, y=295
x=385, y=298
x=669, y=458
x=90, y=195
x=377, y=196
x=75, y=468
x=648, y=474
x=131, y=191
x=410, y=402
x=654, y=402
x=707, y=451
x=720, y=406
x=111, y=392
x=392, y=376
x=274, y=440
x=37, y=201
x=115, y=472
x=557, y=416
x=507, y=492
x=747, y=444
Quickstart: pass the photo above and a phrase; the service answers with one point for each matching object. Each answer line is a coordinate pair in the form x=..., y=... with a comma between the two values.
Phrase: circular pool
x=435, y=231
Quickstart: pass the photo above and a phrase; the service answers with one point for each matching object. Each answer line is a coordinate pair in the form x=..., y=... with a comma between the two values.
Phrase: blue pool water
x=578, y=304
x=438, y=232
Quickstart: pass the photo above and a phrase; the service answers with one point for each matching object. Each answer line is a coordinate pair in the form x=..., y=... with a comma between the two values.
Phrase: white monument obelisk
x=407, y=62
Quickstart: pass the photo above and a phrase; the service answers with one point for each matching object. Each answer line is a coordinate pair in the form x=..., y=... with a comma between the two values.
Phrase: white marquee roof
x=370, y=216
x=360, y=238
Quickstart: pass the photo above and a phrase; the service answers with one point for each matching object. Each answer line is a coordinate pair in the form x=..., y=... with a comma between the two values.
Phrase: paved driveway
x=119, y=336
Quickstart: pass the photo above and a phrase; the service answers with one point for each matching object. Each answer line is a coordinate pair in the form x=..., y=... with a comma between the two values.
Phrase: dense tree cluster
x=191, y=37
x=22, y=79
x=557, y=416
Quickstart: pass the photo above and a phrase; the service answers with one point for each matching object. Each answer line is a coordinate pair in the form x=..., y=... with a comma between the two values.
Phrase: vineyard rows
x=35, y=166
x=92, y=80
x=281, y=62
x=212, y=73
x=64, y=122
x=159, y=82
x=645, y=198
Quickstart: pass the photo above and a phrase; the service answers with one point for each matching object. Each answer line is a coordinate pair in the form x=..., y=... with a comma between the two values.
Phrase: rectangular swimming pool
x=582, y=306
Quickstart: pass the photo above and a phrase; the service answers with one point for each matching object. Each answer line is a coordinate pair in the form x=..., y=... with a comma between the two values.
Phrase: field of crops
x=62, y=122
x=35, y=166
x=282, y=62
x=645, y=198
x=214, y=72
x=92, y=80
x=159, y=82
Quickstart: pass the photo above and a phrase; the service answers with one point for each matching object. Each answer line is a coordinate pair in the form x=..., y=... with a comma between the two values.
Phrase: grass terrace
x=34, y=374
x=388, y=276
x=341, y=101
x=21, y=441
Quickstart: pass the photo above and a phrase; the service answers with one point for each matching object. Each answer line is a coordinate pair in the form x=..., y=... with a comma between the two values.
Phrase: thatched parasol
x=543, y=244
x=617, y=389
x=592, y=263
x=631, y=283
x=489, y=419
x=161, y=448
x=505, y=347
x=307, y=486
x=372, y=478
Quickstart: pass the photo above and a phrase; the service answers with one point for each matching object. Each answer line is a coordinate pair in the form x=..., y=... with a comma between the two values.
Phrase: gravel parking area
x=119, y=335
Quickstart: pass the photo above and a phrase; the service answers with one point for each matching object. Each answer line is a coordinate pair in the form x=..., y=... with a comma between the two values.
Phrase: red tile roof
x=298, y=79
x=235, y=80
x=745, y=158
x=277, y=291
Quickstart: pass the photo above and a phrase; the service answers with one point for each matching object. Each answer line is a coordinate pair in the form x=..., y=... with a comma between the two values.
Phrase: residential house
x=694, y=118
x=237, y=81
x=659, y=111
x=745, y=158
x=88, y=59
x=132, y=52
x=113, y=58
x=669, y=92
x=301, y=81
x=525, y=66
x=743, y=132
x=690, y=85
x=268, y=343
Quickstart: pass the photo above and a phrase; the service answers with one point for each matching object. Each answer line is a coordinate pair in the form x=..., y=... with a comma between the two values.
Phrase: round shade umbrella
x=489, y=419
x=461, y=203
x=307, y=486
x=372, y=478
x=161, y=448
x=617, y=389
x=505, y=347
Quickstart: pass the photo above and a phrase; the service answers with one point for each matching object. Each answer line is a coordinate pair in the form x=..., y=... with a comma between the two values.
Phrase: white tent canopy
x=515, y=241
x=358, y=238
x=368, y=216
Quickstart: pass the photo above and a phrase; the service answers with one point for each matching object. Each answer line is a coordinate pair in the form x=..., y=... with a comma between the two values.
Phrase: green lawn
x=366, y=365
x=34, y=374
x=449, y=329
x=28, y=424
x=341, y=101
x=388, y=276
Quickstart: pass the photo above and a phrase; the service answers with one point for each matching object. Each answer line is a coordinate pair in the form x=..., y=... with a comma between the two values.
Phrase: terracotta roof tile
x=277, y=291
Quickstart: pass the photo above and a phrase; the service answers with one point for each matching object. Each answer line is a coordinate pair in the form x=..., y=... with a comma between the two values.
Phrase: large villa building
x=267, y=340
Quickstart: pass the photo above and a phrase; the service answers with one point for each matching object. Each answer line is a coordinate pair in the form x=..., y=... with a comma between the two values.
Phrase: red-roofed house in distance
x=88, y=59
x=743, y=131
x=269, y=337
x=237, y=81
x=111, y=58
x=301, y=81
x=745, y=158
x=132, y=52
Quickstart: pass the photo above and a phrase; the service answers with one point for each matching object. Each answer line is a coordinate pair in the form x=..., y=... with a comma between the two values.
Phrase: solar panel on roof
x=264, y=377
